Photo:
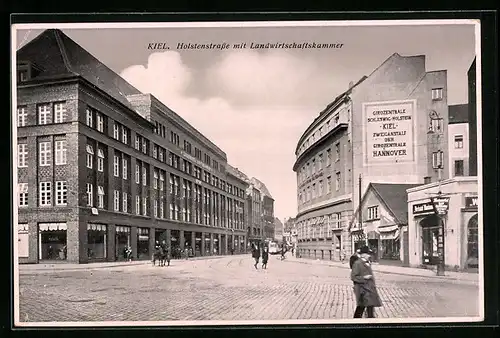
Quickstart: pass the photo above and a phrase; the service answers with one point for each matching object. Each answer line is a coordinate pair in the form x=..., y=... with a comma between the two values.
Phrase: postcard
x=247, y=173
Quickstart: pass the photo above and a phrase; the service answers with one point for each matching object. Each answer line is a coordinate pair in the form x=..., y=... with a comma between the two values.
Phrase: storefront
x=384, y=212
x=142, y=243
x=52, y=241
x=122, y=241
x=97, y=240
x=197, y=244
x=452, y=235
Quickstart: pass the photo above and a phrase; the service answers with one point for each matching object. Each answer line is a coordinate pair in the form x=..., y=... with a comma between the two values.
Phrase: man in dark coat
x=364, y=285
x=256, y=255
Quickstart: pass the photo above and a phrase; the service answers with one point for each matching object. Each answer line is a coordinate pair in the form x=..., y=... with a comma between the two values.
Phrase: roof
x=237, y=173
x=394, y=197
x=62, y=56
x=261, y=187
x=458, y=113
x=325, y=111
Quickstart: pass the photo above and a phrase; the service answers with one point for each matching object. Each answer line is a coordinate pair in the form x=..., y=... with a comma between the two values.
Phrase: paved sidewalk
x=102, y=265
x=392, y=269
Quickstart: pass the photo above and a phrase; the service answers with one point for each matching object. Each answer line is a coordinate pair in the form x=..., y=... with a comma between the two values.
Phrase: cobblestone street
x=229, y=288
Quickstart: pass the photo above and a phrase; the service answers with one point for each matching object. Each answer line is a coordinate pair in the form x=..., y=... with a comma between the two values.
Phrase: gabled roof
x=394, y=198
x=56, y=55
x=458, y=113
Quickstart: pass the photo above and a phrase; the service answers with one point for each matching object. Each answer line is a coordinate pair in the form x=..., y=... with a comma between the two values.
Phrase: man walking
x=256, y=255
x=364, y=285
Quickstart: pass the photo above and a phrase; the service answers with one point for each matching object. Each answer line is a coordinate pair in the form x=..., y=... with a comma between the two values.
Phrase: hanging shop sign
x=441, y=204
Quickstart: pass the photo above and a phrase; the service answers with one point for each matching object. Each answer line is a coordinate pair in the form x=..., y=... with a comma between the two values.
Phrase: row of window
x=318, y=190
x=44, y=153
x=45, y=193
x=122, y=133
x=319, y=227
x=314, y=166
x=47, y=113
x=323, y=130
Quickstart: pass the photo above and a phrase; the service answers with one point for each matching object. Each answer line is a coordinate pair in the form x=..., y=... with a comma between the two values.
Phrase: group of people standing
x=365, y=290
x=256, y=255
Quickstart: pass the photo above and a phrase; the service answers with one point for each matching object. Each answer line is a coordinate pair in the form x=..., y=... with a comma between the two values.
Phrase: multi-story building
x=458, y=140
x=239, y=181
x=102, y=166
x=472, y=108
x=389, y=127
x=289, y=230
x=254, y=204
x=267, y=209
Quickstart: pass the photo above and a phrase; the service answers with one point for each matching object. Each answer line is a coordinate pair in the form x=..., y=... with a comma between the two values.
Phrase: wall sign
x=423, y=208
x=389, y=132
x=471, y=202
x=441, y=204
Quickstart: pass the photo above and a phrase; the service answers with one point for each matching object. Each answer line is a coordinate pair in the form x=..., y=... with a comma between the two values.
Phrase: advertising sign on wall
x=389, y=131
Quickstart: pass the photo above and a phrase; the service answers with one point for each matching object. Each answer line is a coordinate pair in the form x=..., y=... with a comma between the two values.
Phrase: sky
x=255, y=104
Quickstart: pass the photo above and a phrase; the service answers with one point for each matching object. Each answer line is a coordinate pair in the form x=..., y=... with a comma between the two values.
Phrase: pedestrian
x=365, y=289
x=265, y=257
x=354, y=258
x=256, y=255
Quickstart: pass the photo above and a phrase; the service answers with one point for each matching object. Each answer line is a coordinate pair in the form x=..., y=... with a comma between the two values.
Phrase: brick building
x=102, y=166
x=389, y=127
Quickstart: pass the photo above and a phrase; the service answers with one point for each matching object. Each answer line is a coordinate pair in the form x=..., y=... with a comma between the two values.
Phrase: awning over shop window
x=387, y=235
x=391, y=228
x=22, y=227
x=96, y=227
x=52, y=226
x=122, y=229
x=142, y=231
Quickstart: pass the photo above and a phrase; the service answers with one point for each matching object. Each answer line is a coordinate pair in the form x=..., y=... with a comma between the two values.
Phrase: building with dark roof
x=384, y=211
x=390, y=127
x=458, y=140
x=103, y=167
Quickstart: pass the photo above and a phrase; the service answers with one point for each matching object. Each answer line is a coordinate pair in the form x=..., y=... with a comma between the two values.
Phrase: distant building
x=389, y=127
x=458, y=140
x=278, y=230
x=472, y=107
x=289, y=232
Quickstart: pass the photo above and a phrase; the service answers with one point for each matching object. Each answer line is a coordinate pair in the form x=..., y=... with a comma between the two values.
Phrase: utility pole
x=360, y=210
x=440, y=271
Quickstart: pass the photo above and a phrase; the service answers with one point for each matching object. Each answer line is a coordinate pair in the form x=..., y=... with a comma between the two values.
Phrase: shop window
x=22, y=240
x=430, y=232
x=52, y=241
x=142, y=243
x=472, y=243
x=96, y=241
x=122, y=240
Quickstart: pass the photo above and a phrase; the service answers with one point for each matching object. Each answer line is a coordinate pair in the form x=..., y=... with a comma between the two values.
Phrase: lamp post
x=440, y=204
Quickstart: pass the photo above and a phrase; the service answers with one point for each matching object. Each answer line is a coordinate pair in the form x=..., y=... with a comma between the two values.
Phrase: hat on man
x=365, y=250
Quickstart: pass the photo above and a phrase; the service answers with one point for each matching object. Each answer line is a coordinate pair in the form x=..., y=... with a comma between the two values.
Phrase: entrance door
x=472, y=243
x=338, y=246
x=430, y=245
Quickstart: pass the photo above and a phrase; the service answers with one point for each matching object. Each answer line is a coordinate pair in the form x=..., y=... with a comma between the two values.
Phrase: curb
x=388, y=272
x=94, y=266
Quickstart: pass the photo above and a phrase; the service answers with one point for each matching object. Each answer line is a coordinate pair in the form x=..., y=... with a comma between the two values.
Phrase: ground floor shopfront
x=456, y=232
x=321, y=232
x=94, y=238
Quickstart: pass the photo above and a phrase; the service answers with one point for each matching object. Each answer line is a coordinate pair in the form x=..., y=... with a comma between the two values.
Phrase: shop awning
x=22, y=227
x=390, y=228
x=122, y=229
x=52, y=226
x=96, y=227
x=142, y=231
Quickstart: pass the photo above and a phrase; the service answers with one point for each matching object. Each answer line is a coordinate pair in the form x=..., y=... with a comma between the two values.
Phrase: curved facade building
x=389, y=127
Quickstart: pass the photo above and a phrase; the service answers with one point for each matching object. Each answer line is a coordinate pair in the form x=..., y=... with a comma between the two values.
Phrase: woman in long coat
x=265, y=257
x=364, y=285
x=256, y=255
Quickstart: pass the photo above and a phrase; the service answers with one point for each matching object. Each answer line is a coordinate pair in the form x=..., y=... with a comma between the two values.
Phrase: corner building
x=389, y=127
x=102, y=166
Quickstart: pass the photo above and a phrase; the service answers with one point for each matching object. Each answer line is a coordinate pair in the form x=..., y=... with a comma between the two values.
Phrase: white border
x=353, y=23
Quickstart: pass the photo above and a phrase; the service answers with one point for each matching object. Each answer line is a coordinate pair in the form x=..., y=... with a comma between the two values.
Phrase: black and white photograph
x=247, y=173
